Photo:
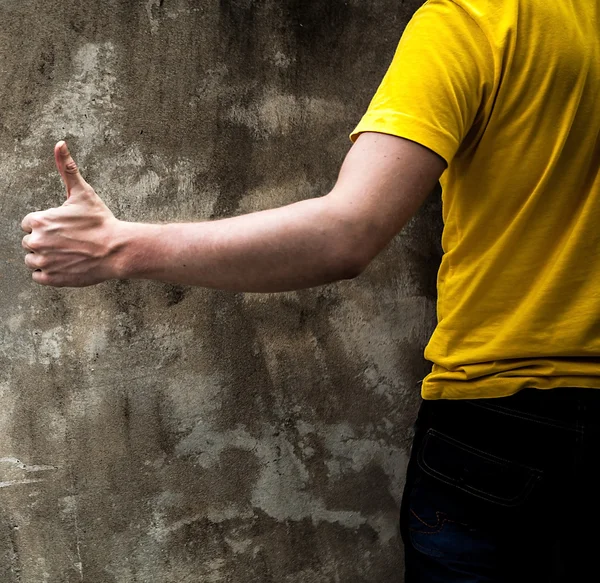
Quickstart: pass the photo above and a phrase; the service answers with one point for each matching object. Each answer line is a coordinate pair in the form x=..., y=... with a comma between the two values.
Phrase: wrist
x=132, y=249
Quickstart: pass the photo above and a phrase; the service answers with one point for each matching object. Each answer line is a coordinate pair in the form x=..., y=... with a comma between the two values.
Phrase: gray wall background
x=155, y=433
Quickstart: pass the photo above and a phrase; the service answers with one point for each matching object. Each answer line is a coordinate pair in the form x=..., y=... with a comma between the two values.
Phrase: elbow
x=353, y=261
x=352, y=243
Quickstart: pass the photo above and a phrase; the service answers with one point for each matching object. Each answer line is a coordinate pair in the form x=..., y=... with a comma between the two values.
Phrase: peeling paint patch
x=26, y=467
x=280, y=114
x=160, y=530
x=19, y=482
x=281, y=60
x=151, y=6
x=83, y=107
x=239, y=546
x=350, y=454
x=15, y=322
x=282, y=489
x=130, y=181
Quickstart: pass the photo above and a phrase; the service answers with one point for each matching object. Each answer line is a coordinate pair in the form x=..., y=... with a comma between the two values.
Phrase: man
x=501, y=98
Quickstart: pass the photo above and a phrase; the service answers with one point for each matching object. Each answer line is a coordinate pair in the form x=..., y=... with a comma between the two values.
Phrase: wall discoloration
x=156, y=433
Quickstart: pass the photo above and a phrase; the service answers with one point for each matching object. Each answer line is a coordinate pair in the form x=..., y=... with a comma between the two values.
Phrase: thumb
x=68, y=170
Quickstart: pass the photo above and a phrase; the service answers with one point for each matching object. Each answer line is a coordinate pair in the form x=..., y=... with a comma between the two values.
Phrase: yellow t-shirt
x=508, y=93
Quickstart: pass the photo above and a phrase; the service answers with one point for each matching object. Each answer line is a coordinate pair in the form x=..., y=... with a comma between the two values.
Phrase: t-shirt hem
x=405, y=126
x=497, y=387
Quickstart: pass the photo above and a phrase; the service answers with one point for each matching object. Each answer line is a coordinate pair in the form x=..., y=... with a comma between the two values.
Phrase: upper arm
x=383, y=181
x=438, y=83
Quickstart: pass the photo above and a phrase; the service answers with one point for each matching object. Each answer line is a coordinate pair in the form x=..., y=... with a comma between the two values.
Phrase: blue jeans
x=505, y=490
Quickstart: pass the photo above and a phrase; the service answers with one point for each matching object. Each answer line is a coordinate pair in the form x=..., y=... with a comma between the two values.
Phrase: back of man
x=502, y=474
x=507, y=92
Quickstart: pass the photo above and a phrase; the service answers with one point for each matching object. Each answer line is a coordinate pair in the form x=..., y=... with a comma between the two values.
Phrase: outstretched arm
x=382, y=182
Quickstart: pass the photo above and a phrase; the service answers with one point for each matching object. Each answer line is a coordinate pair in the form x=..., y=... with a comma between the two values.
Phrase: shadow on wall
x=155, y=433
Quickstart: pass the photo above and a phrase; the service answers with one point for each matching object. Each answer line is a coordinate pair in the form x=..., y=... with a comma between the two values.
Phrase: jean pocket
x=461, y=497
x=476, y=472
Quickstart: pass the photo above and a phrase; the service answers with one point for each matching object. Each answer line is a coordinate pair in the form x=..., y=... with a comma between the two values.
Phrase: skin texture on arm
x=382, y=182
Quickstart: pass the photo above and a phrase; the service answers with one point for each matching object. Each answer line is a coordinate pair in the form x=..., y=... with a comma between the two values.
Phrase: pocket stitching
x=440, y=523
x=533, y=478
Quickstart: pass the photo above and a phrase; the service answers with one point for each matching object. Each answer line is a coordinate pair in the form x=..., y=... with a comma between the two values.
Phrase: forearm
x=293, y=247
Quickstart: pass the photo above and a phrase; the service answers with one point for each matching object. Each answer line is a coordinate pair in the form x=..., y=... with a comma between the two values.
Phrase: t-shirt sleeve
x=437, y=81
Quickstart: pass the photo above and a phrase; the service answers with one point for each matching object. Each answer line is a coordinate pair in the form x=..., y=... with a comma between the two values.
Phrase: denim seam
x=426, y=551
x=475, y=451
x=482, y=495
x=521, y=415
x=439, y=524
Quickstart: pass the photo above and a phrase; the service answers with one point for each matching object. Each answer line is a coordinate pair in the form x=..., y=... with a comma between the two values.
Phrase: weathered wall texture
x=153, y=433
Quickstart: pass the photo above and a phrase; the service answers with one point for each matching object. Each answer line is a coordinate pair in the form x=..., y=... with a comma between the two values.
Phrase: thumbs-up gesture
x=75, y=244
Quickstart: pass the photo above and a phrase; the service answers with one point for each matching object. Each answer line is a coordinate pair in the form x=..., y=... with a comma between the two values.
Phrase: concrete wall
x=155, y=433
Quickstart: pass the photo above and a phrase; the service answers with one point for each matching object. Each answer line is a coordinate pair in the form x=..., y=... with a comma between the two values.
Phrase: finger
x=26, y=223
x=69, y=171
x=33, y=261
x=34, y=220
x=42, y=278
x=26, y=243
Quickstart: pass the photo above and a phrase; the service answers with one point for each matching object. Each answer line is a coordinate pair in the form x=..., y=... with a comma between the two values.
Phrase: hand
x=75, y=244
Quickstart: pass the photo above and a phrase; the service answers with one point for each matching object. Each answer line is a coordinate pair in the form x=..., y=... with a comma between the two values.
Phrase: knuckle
x=42, y=262
x=32, y=261
x=71, y=167
x=34, y=219
x=41, y=277
x=26, y=224
x=32, y=242
x=29, y=262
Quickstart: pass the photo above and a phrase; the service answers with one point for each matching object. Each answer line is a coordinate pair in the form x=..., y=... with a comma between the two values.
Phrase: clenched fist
x=75, y=244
